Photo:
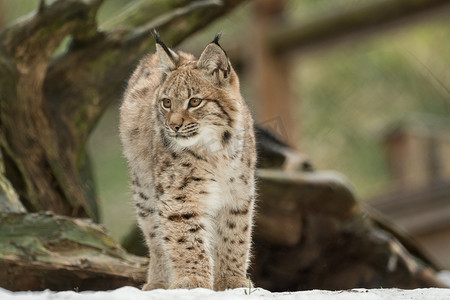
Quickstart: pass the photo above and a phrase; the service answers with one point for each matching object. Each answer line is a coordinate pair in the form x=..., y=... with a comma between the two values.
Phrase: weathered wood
x=325, y=29
x=43, y=173
x=327, y=241
x=275, y=154
x=46, y=251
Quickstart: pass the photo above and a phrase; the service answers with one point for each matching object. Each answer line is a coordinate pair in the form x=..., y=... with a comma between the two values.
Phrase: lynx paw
x=231, y=282
x=153, y=286
x=192, y=282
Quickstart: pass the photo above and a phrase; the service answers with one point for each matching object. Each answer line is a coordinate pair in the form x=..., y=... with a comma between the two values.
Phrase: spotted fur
x=188, y=138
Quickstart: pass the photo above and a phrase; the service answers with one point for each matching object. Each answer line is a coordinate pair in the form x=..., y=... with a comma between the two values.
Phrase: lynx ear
x=215, y=62
x=168, y=58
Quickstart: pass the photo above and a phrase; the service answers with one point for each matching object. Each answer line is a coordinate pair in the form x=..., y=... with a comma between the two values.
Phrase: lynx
x=189, y=142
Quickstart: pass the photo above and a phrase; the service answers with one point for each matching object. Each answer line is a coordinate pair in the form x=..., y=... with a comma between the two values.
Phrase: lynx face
x=194, y=104
x=181, y=108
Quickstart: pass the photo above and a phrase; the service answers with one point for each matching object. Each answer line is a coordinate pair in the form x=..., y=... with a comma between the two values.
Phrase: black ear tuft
x=161, y=43
x=156, y=36
x=168, y=58
x=217, y=38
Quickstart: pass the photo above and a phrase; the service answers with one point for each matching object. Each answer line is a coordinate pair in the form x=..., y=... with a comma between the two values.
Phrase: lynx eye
x=194, y=102
x=166, y=103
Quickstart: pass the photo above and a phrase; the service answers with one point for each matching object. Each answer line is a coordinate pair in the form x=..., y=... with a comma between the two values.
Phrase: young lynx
x=188, y=138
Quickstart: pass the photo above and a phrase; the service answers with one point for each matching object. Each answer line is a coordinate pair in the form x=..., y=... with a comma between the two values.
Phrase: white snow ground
x=131, y=293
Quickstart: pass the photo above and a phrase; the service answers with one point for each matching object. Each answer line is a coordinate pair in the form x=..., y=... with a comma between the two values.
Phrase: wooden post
x=271, y=74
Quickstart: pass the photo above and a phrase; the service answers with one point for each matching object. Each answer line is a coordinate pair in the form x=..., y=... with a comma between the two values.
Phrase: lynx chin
x=188, y=138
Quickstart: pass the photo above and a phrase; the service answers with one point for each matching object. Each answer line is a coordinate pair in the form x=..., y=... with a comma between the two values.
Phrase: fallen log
x=312, y=234
x=45, y=251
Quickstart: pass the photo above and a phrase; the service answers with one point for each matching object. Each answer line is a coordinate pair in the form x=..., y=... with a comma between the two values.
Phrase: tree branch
x=36, y=37
x=138, y=13
x=341, y=25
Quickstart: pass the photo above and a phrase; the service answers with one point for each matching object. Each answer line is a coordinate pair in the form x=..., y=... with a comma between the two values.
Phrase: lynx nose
x=175, y=127
x=175, y=123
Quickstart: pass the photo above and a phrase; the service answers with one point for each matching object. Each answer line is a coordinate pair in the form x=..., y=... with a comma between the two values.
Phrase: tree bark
x=45, y=176
x=50, y=105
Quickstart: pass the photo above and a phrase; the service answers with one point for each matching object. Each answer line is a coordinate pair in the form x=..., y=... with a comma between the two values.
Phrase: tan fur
x=194, y=193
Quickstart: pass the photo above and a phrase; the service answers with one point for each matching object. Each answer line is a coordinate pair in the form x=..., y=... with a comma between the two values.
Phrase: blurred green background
x=348, y=96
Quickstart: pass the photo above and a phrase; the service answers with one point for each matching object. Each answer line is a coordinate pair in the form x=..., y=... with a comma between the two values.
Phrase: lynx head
x=198, y=100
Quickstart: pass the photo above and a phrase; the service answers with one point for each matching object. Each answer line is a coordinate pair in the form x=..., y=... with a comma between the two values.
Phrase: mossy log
x=46, y=251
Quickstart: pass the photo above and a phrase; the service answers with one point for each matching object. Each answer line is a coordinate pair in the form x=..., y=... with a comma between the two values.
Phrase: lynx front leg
x=186, y=243
x=157, y=275
x=233, y=246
